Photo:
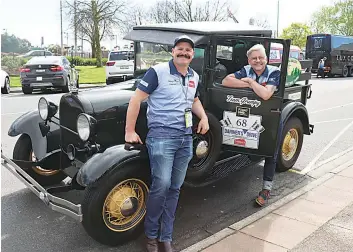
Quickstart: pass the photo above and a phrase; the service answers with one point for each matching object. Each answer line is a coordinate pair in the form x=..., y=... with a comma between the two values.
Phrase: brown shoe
x=151, y=245
x=165, y=246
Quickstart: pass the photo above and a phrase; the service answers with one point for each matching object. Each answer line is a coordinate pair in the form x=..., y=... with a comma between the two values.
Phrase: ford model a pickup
x=78, y=144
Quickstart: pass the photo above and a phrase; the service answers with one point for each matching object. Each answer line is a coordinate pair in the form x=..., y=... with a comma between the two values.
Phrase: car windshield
x=121, y=55
x=151, y=54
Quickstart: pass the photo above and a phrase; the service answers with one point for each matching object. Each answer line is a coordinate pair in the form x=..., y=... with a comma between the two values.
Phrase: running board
x=222, y=170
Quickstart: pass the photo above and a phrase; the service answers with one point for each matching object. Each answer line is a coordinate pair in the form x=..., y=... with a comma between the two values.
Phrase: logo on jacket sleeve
x=191, y=84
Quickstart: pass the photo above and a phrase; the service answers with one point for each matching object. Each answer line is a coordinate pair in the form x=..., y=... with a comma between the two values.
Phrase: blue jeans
x=271, y=162
x=169, y=159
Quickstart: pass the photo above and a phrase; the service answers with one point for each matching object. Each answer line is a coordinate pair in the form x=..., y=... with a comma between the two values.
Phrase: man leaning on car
x=264, y=81
x=171, y=92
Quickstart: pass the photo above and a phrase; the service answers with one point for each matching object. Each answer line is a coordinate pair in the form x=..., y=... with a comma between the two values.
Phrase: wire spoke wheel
x=125, y=205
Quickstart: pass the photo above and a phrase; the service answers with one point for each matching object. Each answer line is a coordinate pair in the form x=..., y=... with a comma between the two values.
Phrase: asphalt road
x=28, y=225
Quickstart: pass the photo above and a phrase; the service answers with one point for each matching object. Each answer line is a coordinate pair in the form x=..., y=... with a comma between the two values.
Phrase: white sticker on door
x=241, y=129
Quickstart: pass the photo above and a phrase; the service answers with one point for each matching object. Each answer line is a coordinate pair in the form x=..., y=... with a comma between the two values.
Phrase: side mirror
x=72, y=65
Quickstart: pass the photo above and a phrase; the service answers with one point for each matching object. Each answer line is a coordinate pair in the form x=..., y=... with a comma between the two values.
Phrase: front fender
x=28, y=123
x=297, y=109
x=100, y=163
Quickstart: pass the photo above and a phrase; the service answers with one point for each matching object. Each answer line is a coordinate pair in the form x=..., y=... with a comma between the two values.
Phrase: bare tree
x=165, y=11
x=96, y=20
x=137, y=17
x=260, y=21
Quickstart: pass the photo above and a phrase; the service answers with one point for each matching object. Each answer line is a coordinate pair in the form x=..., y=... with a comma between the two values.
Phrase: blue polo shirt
x=170, y=94
x=271, y=75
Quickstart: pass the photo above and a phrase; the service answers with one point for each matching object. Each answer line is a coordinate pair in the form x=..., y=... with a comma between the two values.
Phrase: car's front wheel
x=114, y=206
x=23, y=151
x=290, y=145
x=6, y=88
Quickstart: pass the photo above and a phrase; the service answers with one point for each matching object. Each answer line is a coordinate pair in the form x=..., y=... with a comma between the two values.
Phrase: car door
x=249, y=123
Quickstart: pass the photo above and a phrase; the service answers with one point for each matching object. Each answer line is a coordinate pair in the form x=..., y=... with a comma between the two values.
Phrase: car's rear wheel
x=23, y=151
x=6, y=88
x=66, y=89
x=350, y=74
x=27, y=90
x=108, y=81
x=290, y=144
x=345, y=71
x=206, y=148
x=114, y=207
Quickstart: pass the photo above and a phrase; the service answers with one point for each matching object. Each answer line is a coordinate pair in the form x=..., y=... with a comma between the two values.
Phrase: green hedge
x=78, y=61
x=16, y=62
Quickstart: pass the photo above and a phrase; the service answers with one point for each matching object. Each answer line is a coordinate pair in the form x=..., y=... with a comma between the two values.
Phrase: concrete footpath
x=315, y=218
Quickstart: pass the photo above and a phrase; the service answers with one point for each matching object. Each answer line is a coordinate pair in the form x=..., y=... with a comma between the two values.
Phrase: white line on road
x=337, y=120
x=334, y=157
x=322, y=110
x=310, y=166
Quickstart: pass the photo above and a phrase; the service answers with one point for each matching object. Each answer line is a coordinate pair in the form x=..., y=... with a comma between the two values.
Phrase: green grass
x=91, y=74
x=88, y=75
x=15, y=81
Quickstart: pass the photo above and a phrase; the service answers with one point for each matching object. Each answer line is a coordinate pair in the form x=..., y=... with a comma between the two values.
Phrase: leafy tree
x=336, y=19
x=297, y=32
x=11, y=43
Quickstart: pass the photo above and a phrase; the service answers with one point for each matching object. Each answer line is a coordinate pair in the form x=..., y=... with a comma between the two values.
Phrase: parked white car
x=120, y=66
x=5, y=82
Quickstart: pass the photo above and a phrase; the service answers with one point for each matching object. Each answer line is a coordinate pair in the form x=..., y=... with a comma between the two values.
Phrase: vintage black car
x=83, y=144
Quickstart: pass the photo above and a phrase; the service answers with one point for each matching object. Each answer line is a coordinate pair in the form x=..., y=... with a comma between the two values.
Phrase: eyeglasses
x=261, y=58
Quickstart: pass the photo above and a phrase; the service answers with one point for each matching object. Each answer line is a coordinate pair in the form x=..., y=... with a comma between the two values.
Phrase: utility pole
x=61, y=27
x=75, y=26
x=277, y=16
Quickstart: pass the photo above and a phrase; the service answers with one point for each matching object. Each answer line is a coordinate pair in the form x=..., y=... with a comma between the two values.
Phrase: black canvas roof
x=165, y=33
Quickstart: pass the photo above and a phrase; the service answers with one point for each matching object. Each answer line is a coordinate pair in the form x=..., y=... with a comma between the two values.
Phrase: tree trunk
x=96, y=33
x=93, y=47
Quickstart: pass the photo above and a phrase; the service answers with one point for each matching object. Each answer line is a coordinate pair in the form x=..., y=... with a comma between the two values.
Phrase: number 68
x=241, y=122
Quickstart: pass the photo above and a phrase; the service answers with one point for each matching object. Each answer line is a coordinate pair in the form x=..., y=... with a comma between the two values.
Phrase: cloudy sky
x=36, y=18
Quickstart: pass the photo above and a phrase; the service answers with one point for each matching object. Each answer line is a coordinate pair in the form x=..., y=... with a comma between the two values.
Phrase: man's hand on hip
x=203, y=126
x=132, y=137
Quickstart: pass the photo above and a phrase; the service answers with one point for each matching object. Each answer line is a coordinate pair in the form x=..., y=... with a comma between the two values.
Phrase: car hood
x=107, y=100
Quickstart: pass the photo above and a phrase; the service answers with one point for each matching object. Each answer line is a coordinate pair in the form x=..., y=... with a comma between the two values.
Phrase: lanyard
x=187, y=88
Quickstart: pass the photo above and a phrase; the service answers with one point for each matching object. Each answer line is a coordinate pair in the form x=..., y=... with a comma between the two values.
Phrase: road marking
x=310, y=166
x=337, y=120
x=322, y=110
x=334, y=157
x=295, y=171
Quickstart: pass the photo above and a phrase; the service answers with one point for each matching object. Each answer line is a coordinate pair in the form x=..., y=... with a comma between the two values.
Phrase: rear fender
x=28, y=123
x=100, y=163
x=297, y=109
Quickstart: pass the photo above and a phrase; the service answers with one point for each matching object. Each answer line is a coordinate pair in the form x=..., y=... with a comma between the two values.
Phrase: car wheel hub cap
x=201, y=149
x=290, y=144
x=129, y=206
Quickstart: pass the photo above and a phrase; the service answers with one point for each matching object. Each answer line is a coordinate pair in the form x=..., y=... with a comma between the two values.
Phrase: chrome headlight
x=47, y=109
x=85, y=126
x=43, y=108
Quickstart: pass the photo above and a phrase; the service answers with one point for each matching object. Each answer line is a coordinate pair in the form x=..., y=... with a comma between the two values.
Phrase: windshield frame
x=164, y=52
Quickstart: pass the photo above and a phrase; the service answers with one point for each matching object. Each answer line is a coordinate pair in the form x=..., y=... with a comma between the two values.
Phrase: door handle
x=277, y=110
